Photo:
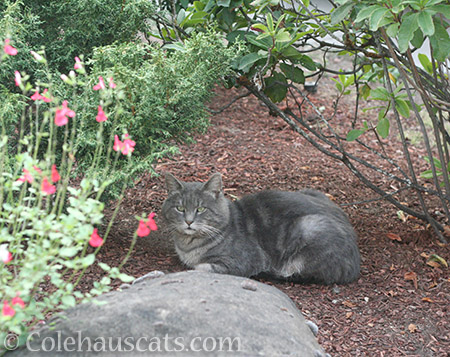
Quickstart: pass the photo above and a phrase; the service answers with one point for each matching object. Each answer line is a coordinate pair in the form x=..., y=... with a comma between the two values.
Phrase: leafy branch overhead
x=287, y=45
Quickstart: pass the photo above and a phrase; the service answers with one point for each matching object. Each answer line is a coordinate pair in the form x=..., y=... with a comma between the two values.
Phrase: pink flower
x=47, y=188
x=5, y=255
x=126, y=147
x=55, y=174
x=111, y=83
x=37, y=96
x=96, y=240
x=78, y=64
x=117, y=143
x=145, y=227
x=44, y=97
x=151, y=222
x=37, y=169
x=100, y=115
x=17, y=78
x=7, y=309
x=100, y=85
x=9, y=50
x=62, y=114
x=26, y=177
x=18, y=301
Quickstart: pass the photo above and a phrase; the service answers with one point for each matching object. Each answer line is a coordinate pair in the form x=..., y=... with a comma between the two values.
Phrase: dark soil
x=400, y=304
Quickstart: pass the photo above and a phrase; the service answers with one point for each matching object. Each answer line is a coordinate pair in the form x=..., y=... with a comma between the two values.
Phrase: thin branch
x=234, y=100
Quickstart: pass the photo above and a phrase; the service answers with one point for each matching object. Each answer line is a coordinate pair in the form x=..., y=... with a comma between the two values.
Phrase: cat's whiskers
x=212, y=232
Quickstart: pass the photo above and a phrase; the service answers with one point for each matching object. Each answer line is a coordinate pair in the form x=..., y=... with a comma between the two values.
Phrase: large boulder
x=181, y=314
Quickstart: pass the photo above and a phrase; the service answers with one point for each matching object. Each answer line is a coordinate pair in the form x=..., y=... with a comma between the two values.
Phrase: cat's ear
x=172, y=183
x=214, y=184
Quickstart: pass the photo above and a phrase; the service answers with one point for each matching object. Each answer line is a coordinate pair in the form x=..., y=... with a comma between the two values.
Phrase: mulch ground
x=400, y=304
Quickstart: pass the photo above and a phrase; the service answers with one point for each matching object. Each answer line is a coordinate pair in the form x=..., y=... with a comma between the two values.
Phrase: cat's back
x=289, y=203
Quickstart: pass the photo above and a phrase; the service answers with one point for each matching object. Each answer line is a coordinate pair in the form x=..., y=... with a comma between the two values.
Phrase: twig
x=234, y=100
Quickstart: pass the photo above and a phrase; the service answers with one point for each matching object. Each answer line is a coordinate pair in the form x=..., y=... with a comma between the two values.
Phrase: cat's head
x=195, y=209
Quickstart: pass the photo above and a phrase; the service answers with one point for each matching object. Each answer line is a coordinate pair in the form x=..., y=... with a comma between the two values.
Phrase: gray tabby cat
x=299, y=236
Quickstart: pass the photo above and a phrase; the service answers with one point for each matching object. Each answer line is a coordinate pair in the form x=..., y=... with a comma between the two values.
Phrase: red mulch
x=399, y=306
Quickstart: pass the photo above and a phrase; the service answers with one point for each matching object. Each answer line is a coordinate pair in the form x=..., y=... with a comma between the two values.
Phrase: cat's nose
x=189, y=222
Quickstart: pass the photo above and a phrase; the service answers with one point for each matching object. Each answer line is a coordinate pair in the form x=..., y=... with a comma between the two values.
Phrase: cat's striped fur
x=300, y=236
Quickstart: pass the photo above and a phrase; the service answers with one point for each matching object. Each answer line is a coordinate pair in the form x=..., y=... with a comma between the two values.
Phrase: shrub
x=68, y=28
x=380, y=38
x=160, y=102
x=47, y=228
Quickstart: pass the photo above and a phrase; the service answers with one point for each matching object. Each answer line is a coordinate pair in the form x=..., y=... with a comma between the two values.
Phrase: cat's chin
x=189, y=232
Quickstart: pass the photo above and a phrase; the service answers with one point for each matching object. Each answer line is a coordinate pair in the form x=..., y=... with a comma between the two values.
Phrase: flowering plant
x=49, y=230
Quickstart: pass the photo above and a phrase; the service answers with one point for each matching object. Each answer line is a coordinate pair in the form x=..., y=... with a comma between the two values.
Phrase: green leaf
x=276, y=87
x=402, y=107
x=392, y=30
x=293, y=73
x=236, y=35
x=365, y=91
x=383, y=127
x=406, y=32
x=264, y=43
x=440, y=42
x=210, y=5
x=341, y=13
x=437, y=163
x=436, y=258
x=425, y=62
x=126, y=278
x=181, y=16
x=338, y=85
x=308, y=63
x=376, y=17
x=76, y=213
x=88, y=260
x=354, y=134
x=198, y=5
x=380, y=93
x=68, y=300
x=261, y=27
x=228, y=16
x=68, y=252
x=247, y=61
x=425, y=21
x=367, y=12
x=269, y=20
x=418, y=38
x=177, y=46
x=441, y=9
x=282, y=36
x=223, y=3
x=428, y=174
x=104, y=266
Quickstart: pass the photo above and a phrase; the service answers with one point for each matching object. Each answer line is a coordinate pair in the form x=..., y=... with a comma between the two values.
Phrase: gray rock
x=182, y=314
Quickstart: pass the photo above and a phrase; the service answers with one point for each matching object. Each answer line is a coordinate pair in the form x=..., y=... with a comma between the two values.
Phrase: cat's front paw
x=205, y=267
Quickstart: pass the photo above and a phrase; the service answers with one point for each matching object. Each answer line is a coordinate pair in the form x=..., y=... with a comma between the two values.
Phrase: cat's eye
x=180, y=208
x=201, y=209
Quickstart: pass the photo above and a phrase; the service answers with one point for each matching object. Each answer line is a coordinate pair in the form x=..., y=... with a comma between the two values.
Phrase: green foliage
x=410, y=22
x=68, y=28
x=22, y=26
x=379, y=35
x=274, y=35
x=46, y=225
x=270, y=39
x=161, y=101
